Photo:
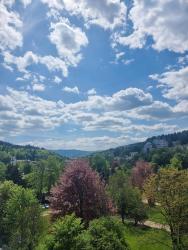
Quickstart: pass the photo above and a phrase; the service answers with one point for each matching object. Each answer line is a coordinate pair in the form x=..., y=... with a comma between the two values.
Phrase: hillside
x=28, y=152
x=72, y=153
x=178, y=138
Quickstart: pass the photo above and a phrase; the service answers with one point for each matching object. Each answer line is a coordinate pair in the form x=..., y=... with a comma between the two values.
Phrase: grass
x=143, y=238
x=155, y=215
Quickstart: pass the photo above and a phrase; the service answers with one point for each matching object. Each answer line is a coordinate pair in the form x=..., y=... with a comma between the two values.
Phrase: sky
x=92, y=75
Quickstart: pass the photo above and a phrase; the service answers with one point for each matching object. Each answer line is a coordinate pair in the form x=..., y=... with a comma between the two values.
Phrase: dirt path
x=156, y=225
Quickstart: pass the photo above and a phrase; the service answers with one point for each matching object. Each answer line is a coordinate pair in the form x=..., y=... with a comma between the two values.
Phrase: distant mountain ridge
x=72, y=153
x=33, y=152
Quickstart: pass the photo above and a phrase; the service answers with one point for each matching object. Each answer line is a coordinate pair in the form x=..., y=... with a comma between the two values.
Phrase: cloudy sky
x=92, y=74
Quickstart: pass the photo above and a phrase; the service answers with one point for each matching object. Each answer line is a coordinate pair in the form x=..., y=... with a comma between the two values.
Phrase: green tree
x=135, y=209
x=128, y=199
x=2, y=171
x=106, y=233
x=13, y=174
x=23, y=220
x=118, y=184
x=100, y=164
x=176, y=162
x=7, y=189
x=66, y=234
x=44, y=175
x=171, y=192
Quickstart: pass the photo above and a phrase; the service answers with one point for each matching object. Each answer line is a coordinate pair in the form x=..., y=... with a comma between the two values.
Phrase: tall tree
x=7, y=188
x=140, y=173
x=100, y=164
x=23, y=220
x=118, y=184
x=80, y=190
x=128, y=199
x=13, y=174
x=170, y=188
x=2, y=171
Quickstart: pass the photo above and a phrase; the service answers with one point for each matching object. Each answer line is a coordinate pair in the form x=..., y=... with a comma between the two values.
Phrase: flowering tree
x=140, y=173
x=81, y=191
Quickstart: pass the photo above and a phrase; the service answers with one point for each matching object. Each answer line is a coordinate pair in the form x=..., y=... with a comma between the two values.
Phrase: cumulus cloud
x=92, y=92
x=174, y=83
x=125, y=112
x=73, y=90
x=20, y=112
x=23, y=62
x=107, y=14
x=164, y=21
x=57, y=80
x=38, y=87
x=68, y=40
x=10, y=28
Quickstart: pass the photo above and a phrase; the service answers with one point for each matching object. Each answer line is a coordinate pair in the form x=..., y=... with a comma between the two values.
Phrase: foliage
x=13, y=174
x=7, y=189
x=2, y=171
x=135, y=209
x=140, y=173
x=128, y=199
x=28, y=152
x=81, y=191
x=44, y=175
x=170, y=191
x=107, y=234
x=100, y=164
x=65, y=234
x=118, y=184
x=149, y=190
x=23, y=221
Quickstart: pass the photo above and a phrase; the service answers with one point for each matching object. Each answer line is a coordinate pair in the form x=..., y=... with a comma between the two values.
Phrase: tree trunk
x=122, y=217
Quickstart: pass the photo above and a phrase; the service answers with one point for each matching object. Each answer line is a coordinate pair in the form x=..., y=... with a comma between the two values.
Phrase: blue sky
x=92, y=74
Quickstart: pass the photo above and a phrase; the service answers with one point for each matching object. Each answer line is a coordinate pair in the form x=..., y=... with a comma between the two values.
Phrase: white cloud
x=38, y=87
x=165, y=21
x=57, y=80
x=21, y=112
x=10, y=28
x=68, y=40
x=73, y=90
x=107, y=14
x=183, y=59
x=92, y=92
x=23, y=62
x=174, y=83
x=126, y=112
x=26, y=2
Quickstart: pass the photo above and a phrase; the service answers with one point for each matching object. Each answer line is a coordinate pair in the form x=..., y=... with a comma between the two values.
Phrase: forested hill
x=28, y=152
x=178, y=138
x=72, y=153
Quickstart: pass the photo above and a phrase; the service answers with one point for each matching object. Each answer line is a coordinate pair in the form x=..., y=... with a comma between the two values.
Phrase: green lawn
x=155, y=215
x=143, y=238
